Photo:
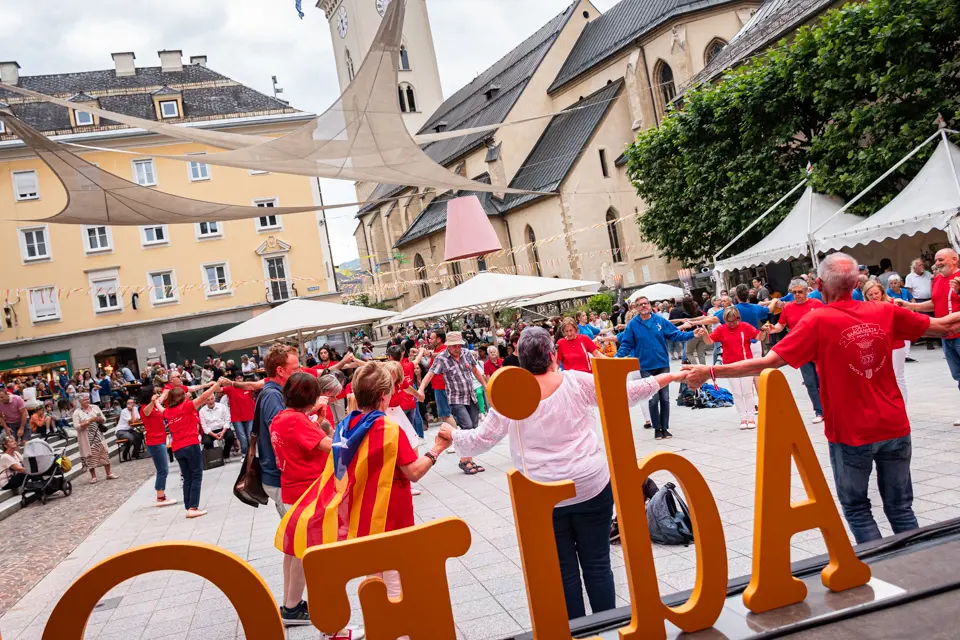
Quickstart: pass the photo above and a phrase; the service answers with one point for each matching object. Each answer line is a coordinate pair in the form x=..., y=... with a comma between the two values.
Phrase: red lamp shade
x=469, y=232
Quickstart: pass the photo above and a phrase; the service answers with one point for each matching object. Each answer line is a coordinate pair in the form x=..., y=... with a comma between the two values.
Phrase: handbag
x=248, y=488
x=212, y=458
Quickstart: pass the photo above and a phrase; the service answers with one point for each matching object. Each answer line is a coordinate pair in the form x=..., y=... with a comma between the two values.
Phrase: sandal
x=113, y=476
x=479, y=468
x=93, y=481
x=468, y=468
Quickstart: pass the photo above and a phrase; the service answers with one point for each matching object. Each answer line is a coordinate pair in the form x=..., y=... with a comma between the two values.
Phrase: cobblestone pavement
x=41, y=536
x=486, y=585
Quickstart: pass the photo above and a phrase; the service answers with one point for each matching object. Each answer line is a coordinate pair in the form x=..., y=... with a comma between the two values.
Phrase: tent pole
x=757, y=221
x=300, y=341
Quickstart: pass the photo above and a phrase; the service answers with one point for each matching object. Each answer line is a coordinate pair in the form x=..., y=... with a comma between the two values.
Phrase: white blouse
x=559, y=441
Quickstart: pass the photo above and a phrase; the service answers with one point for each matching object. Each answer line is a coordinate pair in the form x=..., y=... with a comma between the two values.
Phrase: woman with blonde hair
x=873, y=292
x=575, y=349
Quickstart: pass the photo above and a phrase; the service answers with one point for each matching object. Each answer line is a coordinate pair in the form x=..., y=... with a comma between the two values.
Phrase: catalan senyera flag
x=351, y=497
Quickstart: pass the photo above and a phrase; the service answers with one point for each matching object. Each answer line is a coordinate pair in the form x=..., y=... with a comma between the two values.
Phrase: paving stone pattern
x=486, y=585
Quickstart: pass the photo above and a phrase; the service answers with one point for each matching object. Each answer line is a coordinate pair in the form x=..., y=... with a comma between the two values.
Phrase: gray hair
x=493, y=351
x=797, y=282
x=330, y=385
x=839, y=273
x=535, y=350
x=894, y=278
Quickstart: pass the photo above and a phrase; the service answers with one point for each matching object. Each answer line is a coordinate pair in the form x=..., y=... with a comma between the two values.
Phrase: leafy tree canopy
x=852, y=94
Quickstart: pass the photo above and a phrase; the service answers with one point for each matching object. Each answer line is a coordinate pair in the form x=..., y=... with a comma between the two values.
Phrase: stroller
x=44, y=472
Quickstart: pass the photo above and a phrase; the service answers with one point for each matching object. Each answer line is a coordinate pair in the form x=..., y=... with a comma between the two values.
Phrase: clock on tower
x=382, y=6
x=343, y=22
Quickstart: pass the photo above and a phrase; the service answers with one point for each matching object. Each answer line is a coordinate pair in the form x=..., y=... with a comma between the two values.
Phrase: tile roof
x=773, y=20
x=206, y=94
x=560, y=146
x=470, y=107
x=619, y=28
x=434, y=217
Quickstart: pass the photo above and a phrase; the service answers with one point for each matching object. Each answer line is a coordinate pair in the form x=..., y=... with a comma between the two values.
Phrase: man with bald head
x=945, y=300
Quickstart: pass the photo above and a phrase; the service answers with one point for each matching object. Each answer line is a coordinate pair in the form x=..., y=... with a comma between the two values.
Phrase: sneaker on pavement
x=743, y=426
x=166, y=502
x=451, y=450
x=350, y=633
x=647, y=425
x=195, y=513
x=415, y=492
x=818, y=420
x=751, y=425
x=666, y=434
x=957, y=423
x=298, y=616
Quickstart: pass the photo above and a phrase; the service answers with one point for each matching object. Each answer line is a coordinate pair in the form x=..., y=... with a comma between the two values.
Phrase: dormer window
x=492, y=91
x=440, y=126
x=83, y=118
x=169, y=109
x=79, y=117
x=168, y=103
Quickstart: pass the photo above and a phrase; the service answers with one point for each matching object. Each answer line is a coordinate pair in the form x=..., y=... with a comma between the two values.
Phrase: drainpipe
x=513, y=256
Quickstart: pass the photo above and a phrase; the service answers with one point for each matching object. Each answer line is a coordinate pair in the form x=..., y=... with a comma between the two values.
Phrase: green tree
x=601, y=303
x=852, y=95
x=363, y=300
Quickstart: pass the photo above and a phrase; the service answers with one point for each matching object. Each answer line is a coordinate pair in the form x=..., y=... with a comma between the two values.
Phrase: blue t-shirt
x=858, y=295
x=813, y=294
x=903, y=295
x=750, y=313
x=588, y=330
x=269, y=404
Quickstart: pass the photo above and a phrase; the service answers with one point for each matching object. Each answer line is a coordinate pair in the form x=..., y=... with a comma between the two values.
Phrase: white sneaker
x=350, y=633
x=195, y=513
x=751, y=425
x=819, y=419
x=957, y=423
x=166, y=502
x=415, y=492
x=743, y=426
x=451, y=450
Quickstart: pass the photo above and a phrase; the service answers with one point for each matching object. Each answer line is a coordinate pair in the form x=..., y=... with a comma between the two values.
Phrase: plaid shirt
x=457, y=374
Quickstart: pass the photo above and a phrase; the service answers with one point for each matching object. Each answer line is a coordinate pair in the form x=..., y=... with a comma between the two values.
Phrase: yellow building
x=102, y=295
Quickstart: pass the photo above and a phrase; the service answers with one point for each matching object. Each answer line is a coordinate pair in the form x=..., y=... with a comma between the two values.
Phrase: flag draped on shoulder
x=351, y=497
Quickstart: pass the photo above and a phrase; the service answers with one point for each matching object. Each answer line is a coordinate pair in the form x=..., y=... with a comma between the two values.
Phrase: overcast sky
x=251, y=40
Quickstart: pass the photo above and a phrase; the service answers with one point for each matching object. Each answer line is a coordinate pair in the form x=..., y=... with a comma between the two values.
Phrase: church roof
x=560, y=146
x=434, y=217
x=471, y=106
x=619, y=28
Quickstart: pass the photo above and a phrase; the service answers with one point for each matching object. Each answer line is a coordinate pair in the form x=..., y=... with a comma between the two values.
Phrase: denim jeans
x=190, y=460
x=582, y=532
x=242, y=429
x=951, y=349
x=851, y=473
x=412, y=416
x=467, y=416
x=660, y=402
x=812, y=382
x=158, y=453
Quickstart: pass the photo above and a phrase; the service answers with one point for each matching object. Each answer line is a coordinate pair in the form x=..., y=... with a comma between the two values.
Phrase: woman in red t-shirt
x=873, y=292
x=155, y=437
x=242, y=404
x=574, y=349
x=494, y=361
x=735, y=337
x=183, y=421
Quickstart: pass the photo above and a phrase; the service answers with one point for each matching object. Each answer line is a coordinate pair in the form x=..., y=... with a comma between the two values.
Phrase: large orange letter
x=649, y=613
x=247, y=591
x=782, y=435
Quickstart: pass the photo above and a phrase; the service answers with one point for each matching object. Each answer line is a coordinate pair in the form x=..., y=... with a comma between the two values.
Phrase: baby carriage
x=44, y=472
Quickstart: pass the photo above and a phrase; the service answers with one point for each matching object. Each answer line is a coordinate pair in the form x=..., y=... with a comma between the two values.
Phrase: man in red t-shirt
x=865, y=418
x=790, y=316
x=945, y=300
x=242, y=406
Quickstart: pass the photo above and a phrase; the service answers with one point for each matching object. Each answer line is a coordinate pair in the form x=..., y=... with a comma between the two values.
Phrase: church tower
x=354, y=24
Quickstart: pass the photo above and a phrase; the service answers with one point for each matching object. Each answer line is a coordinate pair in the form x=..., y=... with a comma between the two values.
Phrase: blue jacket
x=858, y=295
x=588, y=330
x=269, y=404
x=646, y=340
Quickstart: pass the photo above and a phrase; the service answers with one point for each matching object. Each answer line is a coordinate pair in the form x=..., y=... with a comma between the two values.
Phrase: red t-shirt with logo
x=154, y=431
x=945, y=301
x=437, y=382
x=852, y=344
x=735, y=342
x=184, y=424
x=241, y=404
x=295, y=438
x=400, y=397
x=572, y=354
x=793, y=312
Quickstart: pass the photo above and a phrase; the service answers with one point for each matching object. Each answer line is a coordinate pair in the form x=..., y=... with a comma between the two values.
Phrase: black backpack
x=669, y=518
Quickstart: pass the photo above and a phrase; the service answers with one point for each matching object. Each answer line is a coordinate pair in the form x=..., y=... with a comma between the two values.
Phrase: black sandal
x=468, y=468
x=479, y=468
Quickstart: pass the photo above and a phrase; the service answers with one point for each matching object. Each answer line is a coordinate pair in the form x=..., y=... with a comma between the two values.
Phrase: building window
x=404, y=58
x=349, y=61
x=44, y=304
x=713, y=50
x=163, y=287
x=33, y=244
x=276, y=269
x=457, y=273
x=169, y=109
x=267, y=223
x=106, y=296
x=481, y=264
x=421, y=268
x=144, y=173
x=408, y=99
x=25, y=185
x=603, y=163
x=613, y=234
x=668, y=89
x=198, y=170
x=97, y=239
x=208, y=230
x=83, y=118
x=154, y=235
x=533, y=255
x=217, y=279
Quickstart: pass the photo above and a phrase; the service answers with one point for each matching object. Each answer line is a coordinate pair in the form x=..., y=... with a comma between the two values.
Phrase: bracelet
x=432, y=456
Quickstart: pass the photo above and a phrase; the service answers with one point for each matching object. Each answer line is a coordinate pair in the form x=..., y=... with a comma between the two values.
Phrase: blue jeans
x=443, y=403
x=158, y=453
x=413, y=415
x=951, y=349
x=582, y=532
x=851, y=473
x=243, y=429
x=812, y=382
x=190, y=460
x=467, y=416
x=659, y=403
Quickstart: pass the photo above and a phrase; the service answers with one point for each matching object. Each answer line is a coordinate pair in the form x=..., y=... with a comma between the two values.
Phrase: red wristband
x=713, y=376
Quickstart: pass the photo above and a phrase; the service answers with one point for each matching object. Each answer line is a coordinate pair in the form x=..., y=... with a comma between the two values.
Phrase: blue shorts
x=443, y=404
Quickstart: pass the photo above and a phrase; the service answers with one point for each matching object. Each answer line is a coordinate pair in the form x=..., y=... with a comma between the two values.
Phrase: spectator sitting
x=126, y=428
x=12, y=472
x=215, y=421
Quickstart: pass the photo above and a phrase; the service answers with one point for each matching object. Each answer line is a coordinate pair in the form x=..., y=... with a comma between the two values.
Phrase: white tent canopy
x=930, y=202
x=659, y=291
x=488, y=293
x=789, y=240
x=558, y=296
x=300, y=319
x=420, y=311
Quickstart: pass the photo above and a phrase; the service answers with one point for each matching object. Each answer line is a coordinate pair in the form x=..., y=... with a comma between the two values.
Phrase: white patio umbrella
x=300, y=319
x=659, y=291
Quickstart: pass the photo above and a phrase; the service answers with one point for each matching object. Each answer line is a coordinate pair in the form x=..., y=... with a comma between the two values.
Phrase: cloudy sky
x=251, y=40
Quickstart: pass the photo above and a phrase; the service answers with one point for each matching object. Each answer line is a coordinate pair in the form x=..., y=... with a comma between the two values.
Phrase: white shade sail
x=928, y=203
x=487, y=293
x=296, y=319
x=789, y=240
x=659, y=291
x=558, y=296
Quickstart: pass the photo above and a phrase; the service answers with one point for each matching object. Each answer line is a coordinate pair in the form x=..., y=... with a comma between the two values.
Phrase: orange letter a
x=781, y=436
